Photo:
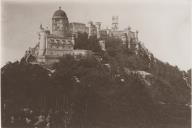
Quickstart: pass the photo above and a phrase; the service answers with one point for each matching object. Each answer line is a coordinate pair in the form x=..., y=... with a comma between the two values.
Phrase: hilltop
x=113, y=88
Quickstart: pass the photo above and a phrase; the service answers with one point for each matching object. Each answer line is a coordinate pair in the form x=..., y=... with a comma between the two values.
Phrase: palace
x=53, y=45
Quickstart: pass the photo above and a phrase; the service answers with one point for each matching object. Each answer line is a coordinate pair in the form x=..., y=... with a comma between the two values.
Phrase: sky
x=163, y=25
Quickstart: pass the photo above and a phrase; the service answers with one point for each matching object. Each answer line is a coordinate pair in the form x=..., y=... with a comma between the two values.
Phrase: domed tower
x=60, y=23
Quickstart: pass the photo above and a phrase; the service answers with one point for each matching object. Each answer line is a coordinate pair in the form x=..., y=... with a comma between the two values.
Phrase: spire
x=59, y=7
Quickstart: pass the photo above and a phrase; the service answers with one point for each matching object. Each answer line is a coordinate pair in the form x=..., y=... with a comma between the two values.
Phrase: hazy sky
x=164, y=25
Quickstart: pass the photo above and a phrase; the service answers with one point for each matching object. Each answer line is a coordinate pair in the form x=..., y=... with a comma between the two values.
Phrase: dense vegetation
x=97, y=91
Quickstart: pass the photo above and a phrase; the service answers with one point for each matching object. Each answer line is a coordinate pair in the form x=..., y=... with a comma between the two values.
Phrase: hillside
x=115, y=88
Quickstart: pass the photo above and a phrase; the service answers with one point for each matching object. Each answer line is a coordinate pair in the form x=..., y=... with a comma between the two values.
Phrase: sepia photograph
x=96, y=64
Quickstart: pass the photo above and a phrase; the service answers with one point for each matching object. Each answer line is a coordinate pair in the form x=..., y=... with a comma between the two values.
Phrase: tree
x=83, y=42
x=24, y=83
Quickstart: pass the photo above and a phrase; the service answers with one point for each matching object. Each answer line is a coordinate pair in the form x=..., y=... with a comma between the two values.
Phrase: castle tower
x=42, y=41
x=115, y=23
x=90, y=28
x=60, y=23
x=98, y=26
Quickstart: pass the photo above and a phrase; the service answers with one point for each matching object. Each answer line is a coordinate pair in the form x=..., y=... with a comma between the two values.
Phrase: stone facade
x=129, y=38
x=92, y=29
x=53, y=45
x=76, y=27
